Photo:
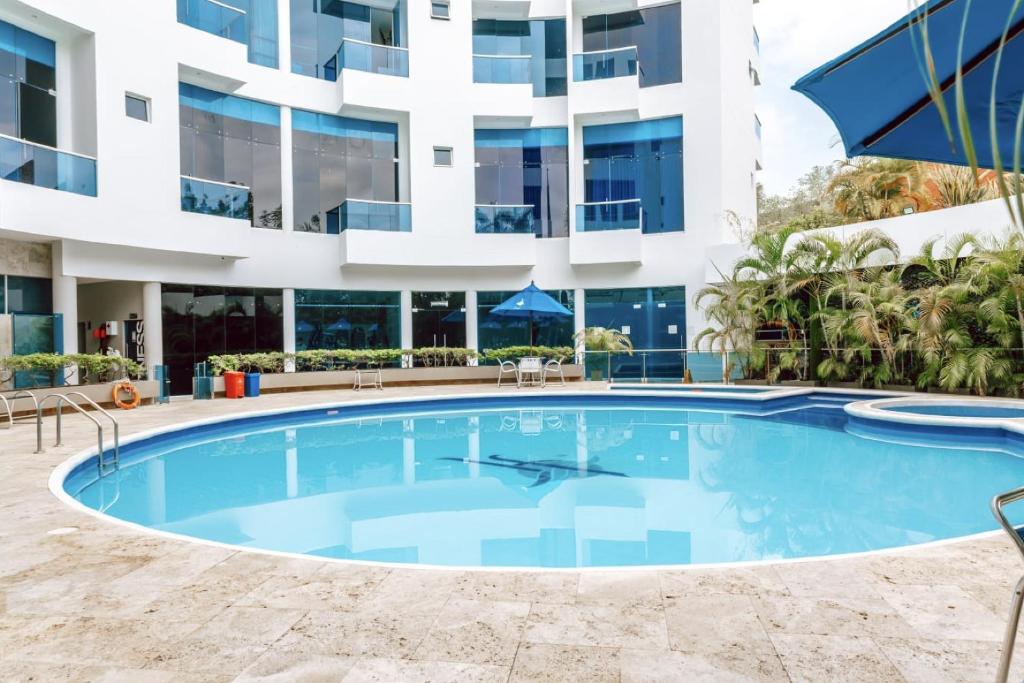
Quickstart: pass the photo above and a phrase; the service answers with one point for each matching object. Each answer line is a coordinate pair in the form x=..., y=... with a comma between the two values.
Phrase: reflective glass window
x=235, y=141
x=335, y=158
x=638, y=160
x=318, y=28
x=332, y=319
x=542, y=40
x=495, y=332
x=526, y=167
x=28, y=107
x=28, y=295
x=656, y=33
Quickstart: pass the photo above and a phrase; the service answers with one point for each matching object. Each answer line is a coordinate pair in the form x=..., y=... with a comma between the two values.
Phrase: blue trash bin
x=252, y=384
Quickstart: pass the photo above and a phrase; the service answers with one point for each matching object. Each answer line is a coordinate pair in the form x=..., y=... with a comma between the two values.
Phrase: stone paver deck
x=107, y=603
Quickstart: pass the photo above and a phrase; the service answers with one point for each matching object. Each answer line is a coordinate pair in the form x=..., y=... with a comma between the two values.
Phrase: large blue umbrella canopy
x=877, y=93
x=531, y=303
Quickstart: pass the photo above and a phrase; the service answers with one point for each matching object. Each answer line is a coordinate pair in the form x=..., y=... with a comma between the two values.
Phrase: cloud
x=796, y=37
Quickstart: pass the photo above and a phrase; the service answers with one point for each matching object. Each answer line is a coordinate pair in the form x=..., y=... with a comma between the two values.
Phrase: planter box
x=100, y=393
x=344, y=379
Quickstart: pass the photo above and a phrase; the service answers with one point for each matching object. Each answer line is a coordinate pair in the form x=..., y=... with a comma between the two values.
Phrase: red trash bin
x=234, y=384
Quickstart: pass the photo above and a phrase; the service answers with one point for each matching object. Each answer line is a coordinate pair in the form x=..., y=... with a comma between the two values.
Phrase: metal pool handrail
x=1010, y=637
x=66, y=398
x=14, y=397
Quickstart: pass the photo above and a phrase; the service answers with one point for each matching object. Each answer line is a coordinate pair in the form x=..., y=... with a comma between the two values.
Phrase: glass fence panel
x=618, y=215
x=592, y=66
x=24, y=162
x=366, y=215
x=504, y=219
x=379, y=59
x=215, y=17
x=216, y=199
x=501, y=69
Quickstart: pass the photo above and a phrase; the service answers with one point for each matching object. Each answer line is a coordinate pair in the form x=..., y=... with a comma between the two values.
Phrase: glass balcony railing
x=33, y=164
x=218, y=18
x=600, y=64
x=215, y=198
x=362, y=214
x=389, y=60
x=504, y=219
x=625, y=214
x=501, y=68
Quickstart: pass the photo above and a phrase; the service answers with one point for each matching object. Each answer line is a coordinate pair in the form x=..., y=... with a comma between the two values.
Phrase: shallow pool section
x=963, y=409
x=570, y=481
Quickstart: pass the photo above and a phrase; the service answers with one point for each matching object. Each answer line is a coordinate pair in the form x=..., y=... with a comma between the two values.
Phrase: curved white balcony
x=607, y=232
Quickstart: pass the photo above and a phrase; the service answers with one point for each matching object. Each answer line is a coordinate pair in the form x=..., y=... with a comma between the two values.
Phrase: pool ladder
x=105, y=465
x=6, y=400
x=1016, y=534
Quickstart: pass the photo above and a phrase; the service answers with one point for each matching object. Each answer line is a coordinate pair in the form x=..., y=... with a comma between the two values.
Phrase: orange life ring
x=132, y=402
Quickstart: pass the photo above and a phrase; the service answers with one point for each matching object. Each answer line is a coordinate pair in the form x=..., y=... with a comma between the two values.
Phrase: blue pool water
x=566, y=482
x=951, y=410
x=696, y=390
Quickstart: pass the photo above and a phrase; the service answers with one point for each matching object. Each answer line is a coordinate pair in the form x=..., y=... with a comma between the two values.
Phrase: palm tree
x=772, y=266
x=880, y=319
x=869, y=188
x=1001, y=270
x=731, y=307
x=603, y=339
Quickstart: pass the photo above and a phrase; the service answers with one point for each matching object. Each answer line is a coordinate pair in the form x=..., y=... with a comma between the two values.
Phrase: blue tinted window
x=330, y=319
x=231, y=141
x=655, y=32
x=28, y=107
x=543, y=40
x=318, y=28
x=638, y=160
x=29, y=294
x=524, y=167
x=652, y=317
x=335, y=158
x=495, y=332
x=251, y=22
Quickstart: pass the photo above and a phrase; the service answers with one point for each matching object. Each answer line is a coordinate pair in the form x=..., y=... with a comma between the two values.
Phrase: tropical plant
x=731, y=308
x=869, y=188
x=603, y=339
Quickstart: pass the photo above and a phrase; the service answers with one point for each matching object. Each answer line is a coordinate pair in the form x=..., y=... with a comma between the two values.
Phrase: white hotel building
x=248, y=175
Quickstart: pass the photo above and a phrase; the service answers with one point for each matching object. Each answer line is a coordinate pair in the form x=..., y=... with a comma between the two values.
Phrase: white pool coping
x=64, y=469
x=881, y=410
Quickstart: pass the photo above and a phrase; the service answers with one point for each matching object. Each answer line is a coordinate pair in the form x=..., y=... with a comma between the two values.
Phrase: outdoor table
x=531, y=370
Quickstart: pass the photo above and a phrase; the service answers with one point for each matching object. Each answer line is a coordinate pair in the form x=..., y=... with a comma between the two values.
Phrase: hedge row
x=341, y=359
x=89, y=365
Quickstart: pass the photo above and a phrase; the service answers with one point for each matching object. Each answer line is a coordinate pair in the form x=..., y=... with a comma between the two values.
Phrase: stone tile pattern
x=106, y=603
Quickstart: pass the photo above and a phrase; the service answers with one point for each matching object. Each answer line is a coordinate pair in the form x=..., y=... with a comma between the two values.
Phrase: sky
x=798, y=36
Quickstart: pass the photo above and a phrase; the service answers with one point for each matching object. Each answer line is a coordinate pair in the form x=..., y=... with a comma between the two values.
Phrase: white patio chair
x=554, y=368
x=507, y=367
x=531, y=370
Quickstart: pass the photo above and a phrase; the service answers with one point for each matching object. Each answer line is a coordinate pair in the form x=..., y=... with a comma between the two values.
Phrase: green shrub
x=92, y=367
x=442, y=357
x=513, y=353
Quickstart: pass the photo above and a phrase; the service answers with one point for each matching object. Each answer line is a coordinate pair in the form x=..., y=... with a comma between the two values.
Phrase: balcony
x=624, y=214
x=602, y=64
x=501, y=68
x=34, y=164
x=215, y=17
x=215, y=198
x=388, y=60
x=360, y=214
x=506, y=219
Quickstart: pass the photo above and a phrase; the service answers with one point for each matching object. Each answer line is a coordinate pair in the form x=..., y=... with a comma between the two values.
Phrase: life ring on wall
x=133, y=400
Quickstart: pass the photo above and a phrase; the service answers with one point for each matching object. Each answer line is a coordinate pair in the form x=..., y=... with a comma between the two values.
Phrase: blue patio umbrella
x=531, y=304
x=877, y=93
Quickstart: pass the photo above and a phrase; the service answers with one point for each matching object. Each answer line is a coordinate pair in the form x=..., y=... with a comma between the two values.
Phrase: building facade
x=249, y=175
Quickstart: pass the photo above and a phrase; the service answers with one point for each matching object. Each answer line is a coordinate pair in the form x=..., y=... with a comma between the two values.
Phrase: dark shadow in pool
x=544, y=471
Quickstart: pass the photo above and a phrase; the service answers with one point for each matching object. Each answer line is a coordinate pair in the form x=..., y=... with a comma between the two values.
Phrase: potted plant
x=602, y=339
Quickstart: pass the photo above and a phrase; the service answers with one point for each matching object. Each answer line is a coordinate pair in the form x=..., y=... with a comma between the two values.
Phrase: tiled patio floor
x=106, y=603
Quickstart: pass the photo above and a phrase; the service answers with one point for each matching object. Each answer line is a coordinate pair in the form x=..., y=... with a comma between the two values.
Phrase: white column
x=287, y=191
x=153, y=327
x=408, y=453
x=284, y=41
x=288, y=323
x=582, y=452
x=406, y=315
x=579, y=320
x=474, y=447
x=291, y=464
x=472, y=340
x=65, y=302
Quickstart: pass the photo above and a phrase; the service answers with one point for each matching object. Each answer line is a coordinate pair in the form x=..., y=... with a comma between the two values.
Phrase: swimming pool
x=975, y=410
x=587, y=480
